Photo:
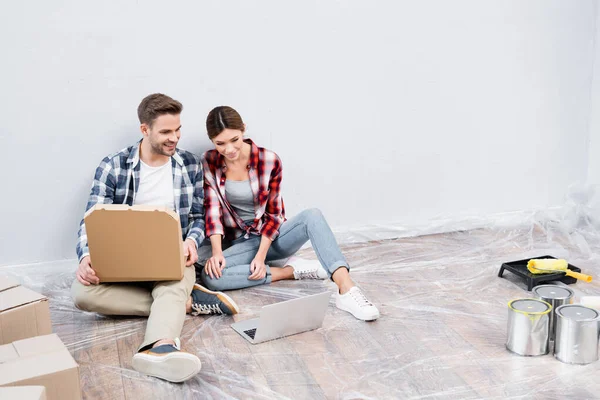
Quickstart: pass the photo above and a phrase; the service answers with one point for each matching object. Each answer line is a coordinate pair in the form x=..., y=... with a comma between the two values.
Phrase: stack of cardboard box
x=34, y=364
x=145, y=239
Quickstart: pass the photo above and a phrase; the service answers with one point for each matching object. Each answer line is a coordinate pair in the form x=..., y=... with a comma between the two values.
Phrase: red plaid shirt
x=264, y=169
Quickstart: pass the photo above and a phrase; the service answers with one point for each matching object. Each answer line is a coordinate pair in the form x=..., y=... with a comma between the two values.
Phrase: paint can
x=528, y=327
x=577, y=334
x=556, y=296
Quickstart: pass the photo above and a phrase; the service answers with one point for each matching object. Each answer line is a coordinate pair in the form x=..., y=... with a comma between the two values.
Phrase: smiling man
x=153, y=172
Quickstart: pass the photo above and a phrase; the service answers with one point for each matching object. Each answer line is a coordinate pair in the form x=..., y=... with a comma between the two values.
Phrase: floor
x=441, y=333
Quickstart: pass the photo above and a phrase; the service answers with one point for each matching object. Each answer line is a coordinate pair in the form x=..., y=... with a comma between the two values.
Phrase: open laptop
x=285, y=318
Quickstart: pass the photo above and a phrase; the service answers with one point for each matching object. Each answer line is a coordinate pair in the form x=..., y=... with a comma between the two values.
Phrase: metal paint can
x=556, y=296
x=528, y=327
x=577, y=334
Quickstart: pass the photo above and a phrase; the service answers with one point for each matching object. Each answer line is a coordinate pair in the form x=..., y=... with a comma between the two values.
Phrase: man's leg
x=167, y=312
x=160, y=355
x=113, y=298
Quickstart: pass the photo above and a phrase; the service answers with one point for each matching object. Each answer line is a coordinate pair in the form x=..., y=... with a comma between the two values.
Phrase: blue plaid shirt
x=117, y=181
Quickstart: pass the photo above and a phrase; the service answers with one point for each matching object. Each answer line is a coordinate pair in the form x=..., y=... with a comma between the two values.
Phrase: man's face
x=164, y=134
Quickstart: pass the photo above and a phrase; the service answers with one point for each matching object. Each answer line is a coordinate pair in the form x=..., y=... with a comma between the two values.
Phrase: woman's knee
x=312, y=214
x=211, y=283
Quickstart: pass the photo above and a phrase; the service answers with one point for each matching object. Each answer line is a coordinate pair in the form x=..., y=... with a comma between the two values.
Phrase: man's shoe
x=167, y=362
x=355, y=302
x=206, y=302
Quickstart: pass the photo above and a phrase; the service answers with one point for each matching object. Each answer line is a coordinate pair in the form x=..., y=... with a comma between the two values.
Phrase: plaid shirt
x=264, y=169
x=117, y=180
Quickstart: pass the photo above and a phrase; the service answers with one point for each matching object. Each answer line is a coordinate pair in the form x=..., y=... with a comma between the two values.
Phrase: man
x=154, y=172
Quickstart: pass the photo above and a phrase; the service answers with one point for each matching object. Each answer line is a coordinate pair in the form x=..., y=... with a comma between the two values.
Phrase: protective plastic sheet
x=441, y=333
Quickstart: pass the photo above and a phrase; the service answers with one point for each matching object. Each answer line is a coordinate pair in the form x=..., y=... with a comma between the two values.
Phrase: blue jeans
x=293, y=233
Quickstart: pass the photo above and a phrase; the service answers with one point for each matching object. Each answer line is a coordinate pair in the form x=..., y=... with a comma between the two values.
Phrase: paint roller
x=550, y=265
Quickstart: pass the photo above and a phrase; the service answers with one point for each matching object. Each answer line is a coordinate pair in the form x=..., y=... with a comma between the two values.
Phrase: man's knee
x=83, y=296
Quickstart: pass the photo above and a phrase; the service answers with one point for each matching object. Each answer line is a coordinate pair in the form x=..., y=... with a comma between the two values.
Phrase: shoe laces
x=307, y=274
x=205, y=309
x=360, y=298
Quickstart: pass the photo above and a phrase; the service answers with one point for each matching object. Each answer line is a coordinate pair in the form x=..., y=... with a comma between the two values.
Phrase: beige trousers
x=162, y=302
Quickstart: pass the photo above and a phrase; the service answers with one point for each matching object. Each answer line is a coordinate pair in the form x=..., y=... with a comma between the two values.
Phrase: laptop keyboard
x=251, y=332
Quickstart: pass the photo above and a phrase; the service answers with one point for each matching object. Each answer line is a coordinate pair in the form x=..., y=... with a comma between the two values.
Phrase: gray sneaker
x=206, y=302
x=167, y=362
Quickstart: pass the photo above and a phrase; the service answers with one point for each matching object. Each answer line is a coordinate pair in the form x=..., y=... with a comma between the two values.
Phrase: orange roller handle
x=578, y=275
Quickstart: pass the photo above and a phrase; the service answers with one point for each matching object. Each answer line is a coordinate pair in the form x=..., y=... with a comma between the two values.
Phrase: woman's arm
x=215, y=264
x=257, y=267
x=215, y=243
x=274, y=210
x=213, y=214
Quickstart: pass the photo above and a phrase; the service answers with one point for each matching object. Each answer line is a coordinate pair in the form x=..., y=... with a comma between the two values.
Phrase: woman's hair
x=221, y=118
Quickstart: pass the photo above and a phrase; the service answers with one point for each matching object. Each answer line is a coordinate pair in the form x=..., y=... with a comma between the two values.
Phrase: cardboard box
x=43, y=361
x=130, y=244
x=23, y=312
x=7, y=283
x=23, y=393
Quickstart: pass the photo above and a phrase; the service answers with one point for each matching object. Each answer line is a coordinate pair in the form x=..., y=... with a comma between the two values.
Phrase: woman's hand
x=215, y=265
x=258, y=268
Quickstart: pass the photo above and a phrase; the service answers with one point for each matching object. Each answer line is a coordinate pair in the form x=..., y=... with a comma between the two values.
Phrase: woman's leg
x=293, y=234
x=311, y=225
x=235, y=275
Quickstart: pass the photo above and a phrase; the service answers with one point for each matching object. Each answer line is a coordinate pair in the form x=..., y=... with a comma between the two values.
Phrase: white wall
x=381, y=111
x=594, y=130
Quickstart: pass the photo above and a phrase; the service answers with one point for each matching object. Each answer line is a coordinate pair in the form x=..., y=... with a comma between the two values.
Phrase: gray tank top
x=239, y=195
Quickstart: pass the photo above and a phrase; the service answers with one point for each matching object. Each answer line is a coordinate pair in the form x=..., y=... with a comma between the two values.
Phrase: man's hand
x=85, y=274
x=215, y=265
x=190, y=252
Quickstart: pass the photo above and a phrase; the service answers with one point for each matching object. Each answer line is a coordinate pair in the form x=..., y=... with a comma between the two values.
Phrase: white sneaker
x=355, y=302
x=307, y=269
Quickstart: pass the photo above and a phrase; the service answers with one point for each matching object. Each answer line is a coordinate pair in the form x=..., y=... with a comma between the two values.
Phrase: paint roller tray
x=519, y=268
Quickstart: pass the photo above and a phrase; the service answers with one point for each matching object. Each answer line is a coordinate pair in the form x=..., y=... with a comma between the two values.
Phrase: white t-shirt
x=156, y=186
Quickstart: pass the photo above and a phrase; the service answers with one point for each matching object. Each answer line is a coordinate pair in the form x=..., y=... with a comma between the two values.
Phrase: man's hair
x=155, y=105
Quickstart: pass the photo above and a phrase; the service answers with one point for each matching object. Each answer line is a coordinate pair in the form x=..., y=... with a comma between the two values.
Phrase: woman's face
x=229, y=143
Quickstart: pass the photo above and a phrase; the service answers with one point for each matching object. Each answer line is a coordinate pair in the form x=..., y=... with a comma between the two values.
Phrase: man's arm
x=103, y=191
x=196, y=216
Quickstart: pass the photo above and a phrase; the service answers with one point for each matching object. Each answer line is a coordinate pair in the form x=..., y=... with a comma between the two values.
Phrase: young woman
x=246, y=224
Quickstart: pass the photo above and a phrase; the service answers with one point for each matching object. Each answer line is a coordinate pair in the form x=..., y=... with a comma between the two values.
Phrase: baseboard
x=365, y=233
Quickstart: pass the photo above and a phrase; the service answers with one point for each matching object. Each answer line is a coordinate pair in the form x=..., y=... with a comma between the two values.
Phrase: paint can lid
x=577, y=312
x=530, y=306
x=553, y=292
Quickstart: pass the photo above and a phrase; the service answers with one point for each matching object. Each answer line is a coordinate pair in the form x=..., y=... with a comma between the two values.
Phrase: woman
x=245, y=221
